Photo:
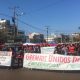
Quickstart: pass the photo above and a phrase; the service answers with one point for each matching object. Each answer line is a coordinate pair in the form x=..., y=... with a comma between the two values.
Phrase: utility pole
x=14, y=20
x=47, y=32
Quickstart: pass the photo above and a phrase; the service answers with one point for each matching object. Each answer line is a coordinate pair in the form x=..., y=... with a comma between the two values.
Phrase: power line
x=23, y=22
x=45, y=7
x=30, y=25
x=14, y=19
x=34, y=27
x=5, y=15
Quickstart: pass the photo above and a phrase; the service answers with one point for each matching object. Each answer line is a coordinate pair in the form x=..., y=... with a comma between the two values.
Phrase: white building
x=51, y=38
x=4, y=23
x=36, y=37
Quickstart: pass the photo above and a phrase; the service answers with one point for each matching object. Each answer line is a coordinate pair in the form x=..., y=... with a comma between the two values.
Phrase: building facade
x=9, y=32
x=36, y=37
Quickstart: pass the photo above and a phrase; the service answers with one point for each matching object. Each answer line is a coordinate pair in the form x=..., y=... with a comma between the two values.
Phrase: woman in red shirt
x=71, y=49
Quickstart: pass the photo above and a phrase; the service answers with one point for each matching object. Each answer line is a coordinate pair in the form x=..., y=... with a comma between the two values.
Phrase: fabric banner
x=48, y=50
x=5, y=58
x=51, y=61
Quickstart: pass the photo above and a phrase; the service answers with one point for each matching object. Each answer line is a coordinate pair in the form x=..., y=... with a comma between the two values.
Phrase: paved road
x=24, y=74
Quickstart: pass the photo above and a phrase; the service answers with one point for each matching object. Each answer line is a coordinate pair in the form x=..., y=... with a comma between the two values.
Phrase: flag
x=13, y=19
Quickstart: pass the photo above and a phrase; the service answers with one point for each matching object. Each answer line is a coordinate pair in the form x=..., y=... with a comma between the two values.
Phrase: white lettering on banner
x=51, y=61
x=5, y=58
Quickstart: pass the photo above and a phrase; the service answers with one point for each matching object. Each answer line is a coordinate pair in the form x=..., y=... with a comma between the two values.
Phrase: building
x=36, y=37
x=51, y=38
x=21, y=37
x=75, y=37
x=4, y=23
x=9, y=32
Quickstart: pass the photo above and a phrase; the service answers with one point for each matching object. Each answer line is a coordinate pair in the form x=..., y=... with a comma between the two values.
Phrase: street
x=26, y=74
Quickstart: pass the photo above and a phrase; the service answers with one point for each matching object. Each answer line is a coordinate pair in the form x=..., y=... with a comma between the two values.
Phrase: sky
x=60, y=16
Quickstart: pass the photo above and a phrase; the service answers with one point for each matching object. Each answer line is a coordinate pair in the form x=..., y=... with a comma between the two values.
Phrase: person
x=10, y=49
x=64, y=50
x=58, y=50
x=71, y=49
x=4, y=48
x=78, y=50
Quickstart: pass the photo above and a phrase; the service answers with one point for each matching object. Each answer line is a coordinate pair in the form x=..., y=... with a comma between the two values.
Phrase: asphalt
x=28, y=74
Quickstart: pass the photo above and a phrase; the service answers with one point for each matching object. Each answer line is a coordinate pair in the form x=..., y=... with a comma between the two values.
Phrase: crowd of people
x=68, y=49
x=32, y=49
x=25, y=48
x=19, y=51
x=65, y=49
